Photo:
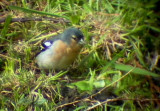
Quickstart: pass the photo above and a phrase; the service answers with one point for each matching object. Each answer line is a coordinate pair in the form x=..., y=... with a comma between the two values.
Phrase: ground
x=117, y=69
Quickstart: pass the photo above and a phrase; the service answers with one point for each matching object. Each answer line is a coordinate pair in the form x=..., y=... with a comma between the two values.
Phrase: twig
x=113, y=82
x=87, y=98
x=35, y=19
x=118, y=99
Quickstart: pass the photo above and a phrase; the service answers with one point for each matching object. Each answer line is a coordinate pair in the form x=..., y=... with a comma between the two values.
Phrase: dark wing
x=46, y=44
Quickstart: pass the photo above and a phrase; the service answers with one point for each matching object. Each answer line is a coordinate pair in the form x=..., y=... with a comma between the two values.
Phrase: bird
x=61, y=50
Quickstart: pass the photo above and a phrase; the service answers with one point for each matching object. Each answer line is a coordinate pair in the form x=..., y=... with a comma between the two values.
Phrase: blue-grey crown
x=69, y=33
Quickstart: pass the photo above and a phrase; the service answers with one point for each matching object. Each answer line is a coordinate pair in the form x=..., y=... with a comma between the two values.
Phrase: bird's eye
x=74, y=37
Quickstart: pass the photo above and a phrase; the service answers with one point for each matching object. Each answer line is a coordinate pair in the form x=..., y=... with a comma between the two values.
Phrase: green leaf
x=41, y=101
x=99, y=84
x=134, y=70
x=84, y=85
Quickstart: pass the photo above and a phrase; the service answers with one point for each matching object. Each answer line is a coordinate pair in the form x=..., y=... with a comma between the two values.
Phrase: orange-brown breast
x=65, y=54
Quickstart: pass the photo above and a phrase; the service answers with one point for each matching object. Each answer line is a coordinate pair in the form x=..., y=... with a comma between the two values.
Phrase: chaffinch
x=61, y=50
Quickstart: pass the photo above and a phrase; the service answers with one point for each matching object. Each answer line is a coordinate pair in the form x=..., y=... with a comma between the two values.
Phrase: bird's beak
x=81, y=42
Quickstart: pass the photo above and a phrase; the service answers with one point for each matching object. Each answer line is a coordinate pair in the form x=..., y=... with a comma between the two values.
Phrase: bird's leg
x=51, y=72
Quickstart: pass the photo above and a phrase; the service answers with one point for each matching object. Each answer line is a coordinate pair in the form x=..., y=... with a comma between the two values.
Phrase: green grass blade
x=86, y=59
x=35, y=11
x=120, y=54
x=154, y=28
x=136, y=70
x=109, y=7
x=5, y=28
x=56, y=76
x=138, y=54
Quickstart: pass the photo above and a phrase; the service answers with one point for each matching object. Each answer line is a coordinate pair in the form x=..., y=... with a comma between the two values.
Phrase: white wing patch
x=47, y=44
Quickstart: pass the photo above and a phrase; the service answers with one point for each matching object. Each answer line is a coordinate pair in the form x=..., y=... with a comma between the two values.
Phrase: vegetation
x=118, y=68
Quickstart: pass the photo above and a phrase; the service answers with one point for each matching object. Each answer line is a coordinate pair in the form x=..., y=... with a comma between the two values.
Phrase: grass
x=118, y=68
